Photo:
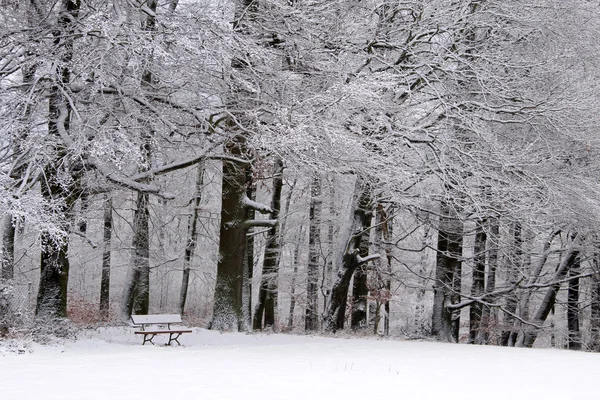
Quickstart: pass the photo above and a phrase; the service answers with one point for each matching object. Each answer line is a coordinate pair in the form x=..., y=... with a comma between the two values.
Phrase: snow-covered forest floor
x=111, y=363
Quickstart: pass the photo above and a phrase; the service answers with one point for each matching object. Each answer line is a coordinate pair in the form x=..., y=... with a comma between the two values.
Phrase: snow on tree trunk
x=478, y=285
x=549, y=299
x=449, y=254
x=311, y=321
x=508, y=336
x=106, y=252
x=360, y=290
x=54, y=261
x=336, y=312
x=574, y=336
x=487, y=316
x=249, y=257
x=7, y=258
x=190, y=245
x=227, y=309
x=267, y=297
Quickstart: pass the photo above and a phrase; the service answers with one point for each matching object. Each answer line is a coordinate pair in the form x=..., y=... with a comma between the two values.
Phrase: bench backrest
x=156, y=319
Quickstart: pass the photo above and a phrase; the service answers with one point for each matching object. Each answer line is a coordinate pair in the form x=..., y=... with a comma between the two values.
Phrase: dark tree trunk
x=328, y=265
x=227, y=309
x=8, y=248
x=387, y=236
x=478, y=286
x=533, y=278
x=448, y=260
x=549, y=299
x=267, y=296
x=290, y=324
x=190, y=246
x=136, y=294
x=141, y=258
x=594, y=343
x=351, y=260
x=249, y=257
x=574, y=339
x=487, y=317
x=508, y=336
x=105, y=278
x=360, y=290
x=311, y=322
x=54, y=261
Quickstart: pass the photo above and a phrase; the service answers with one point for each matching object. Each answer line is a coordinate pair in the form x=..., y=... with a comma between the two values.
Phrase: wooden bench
x=145, y=322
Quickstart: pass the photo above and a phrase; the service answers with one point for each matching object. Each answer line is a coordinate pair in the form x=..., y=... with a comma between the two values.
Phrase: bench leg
x=174, y=339
x=149, y=340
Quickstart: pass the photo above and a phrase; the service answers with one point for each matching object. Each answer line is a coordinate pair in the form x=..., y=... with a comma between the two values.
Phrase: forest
x=420, y=168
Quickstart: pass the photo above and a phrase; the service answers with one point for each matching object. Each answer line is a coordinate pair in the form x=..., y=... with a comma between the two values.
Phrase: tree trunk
x=448, y=260
x=508, y=336
x=54, y=261
x=267, y=296
x=8, y=248
x=574, y=339
x=190, y=245
x=311, y=322
x=533, y=278
x=227, y=309
x=290, y=324
x=478, y=286
x=141, y=258
x=350, y=260
x=105, y=278
x=249, y=257
x=487, y=317
x=550, y=297
x=328, y=265
x=360, y=290
x=594, y=343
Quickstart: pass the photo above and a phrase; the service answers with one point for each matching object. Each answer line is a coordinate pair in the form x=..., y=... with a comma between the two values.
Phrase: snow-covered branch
x=260, y=222
x=262, y=208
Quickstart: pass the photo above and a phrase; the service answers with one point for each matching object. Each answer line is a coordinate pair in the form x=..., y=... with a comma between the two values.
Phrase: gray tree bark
x=311, y=321
x=190, y=246
x=267, y=296
x=106, y=252
x=448, y=260
x=549, y=299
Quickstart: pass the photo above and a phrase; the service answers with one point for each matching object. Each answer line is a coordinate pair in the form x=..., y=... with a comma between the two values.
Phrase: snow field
x=112, y=364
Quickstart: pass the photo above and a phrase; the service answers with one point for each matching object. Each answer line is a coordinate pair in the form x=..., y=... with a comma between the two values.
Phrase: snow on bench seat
x=144, y=321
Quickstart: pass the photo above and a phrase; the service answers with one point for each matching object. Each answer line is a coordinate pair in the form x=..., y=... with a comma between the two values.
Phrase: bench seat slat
x=156, y=319
x=163, y=332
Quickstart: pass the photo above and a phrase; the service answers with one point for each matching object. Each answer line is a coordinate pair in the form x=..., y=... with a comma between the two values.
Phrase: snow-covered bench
x=145, y=323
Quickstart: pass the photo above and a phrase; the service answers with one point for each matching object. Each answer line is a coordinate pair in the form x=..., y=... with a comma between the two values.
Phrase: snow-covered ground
x=112, y=364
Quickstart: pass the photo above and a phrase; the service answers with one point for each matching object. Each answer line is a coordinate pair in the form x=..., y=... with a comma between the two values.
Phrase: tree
x=267, y=296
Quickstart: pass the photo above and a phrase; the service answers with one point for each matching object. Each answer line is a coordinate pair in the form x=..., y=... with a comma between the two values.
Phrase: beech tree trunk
x=7, y=258
x=448, y=260
x=549, y=299
x=311, y=321
x=360, y=290
x=574, y=338
x=54, y=261
x=478, y=286
x=227, y=309
x=509, y=336
x=190, y=246
x=594, y=341
x=267, y=296
x=290, y=322
x=487, y=316
x=336, y=312
x=249, y=258
x=105, y=278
